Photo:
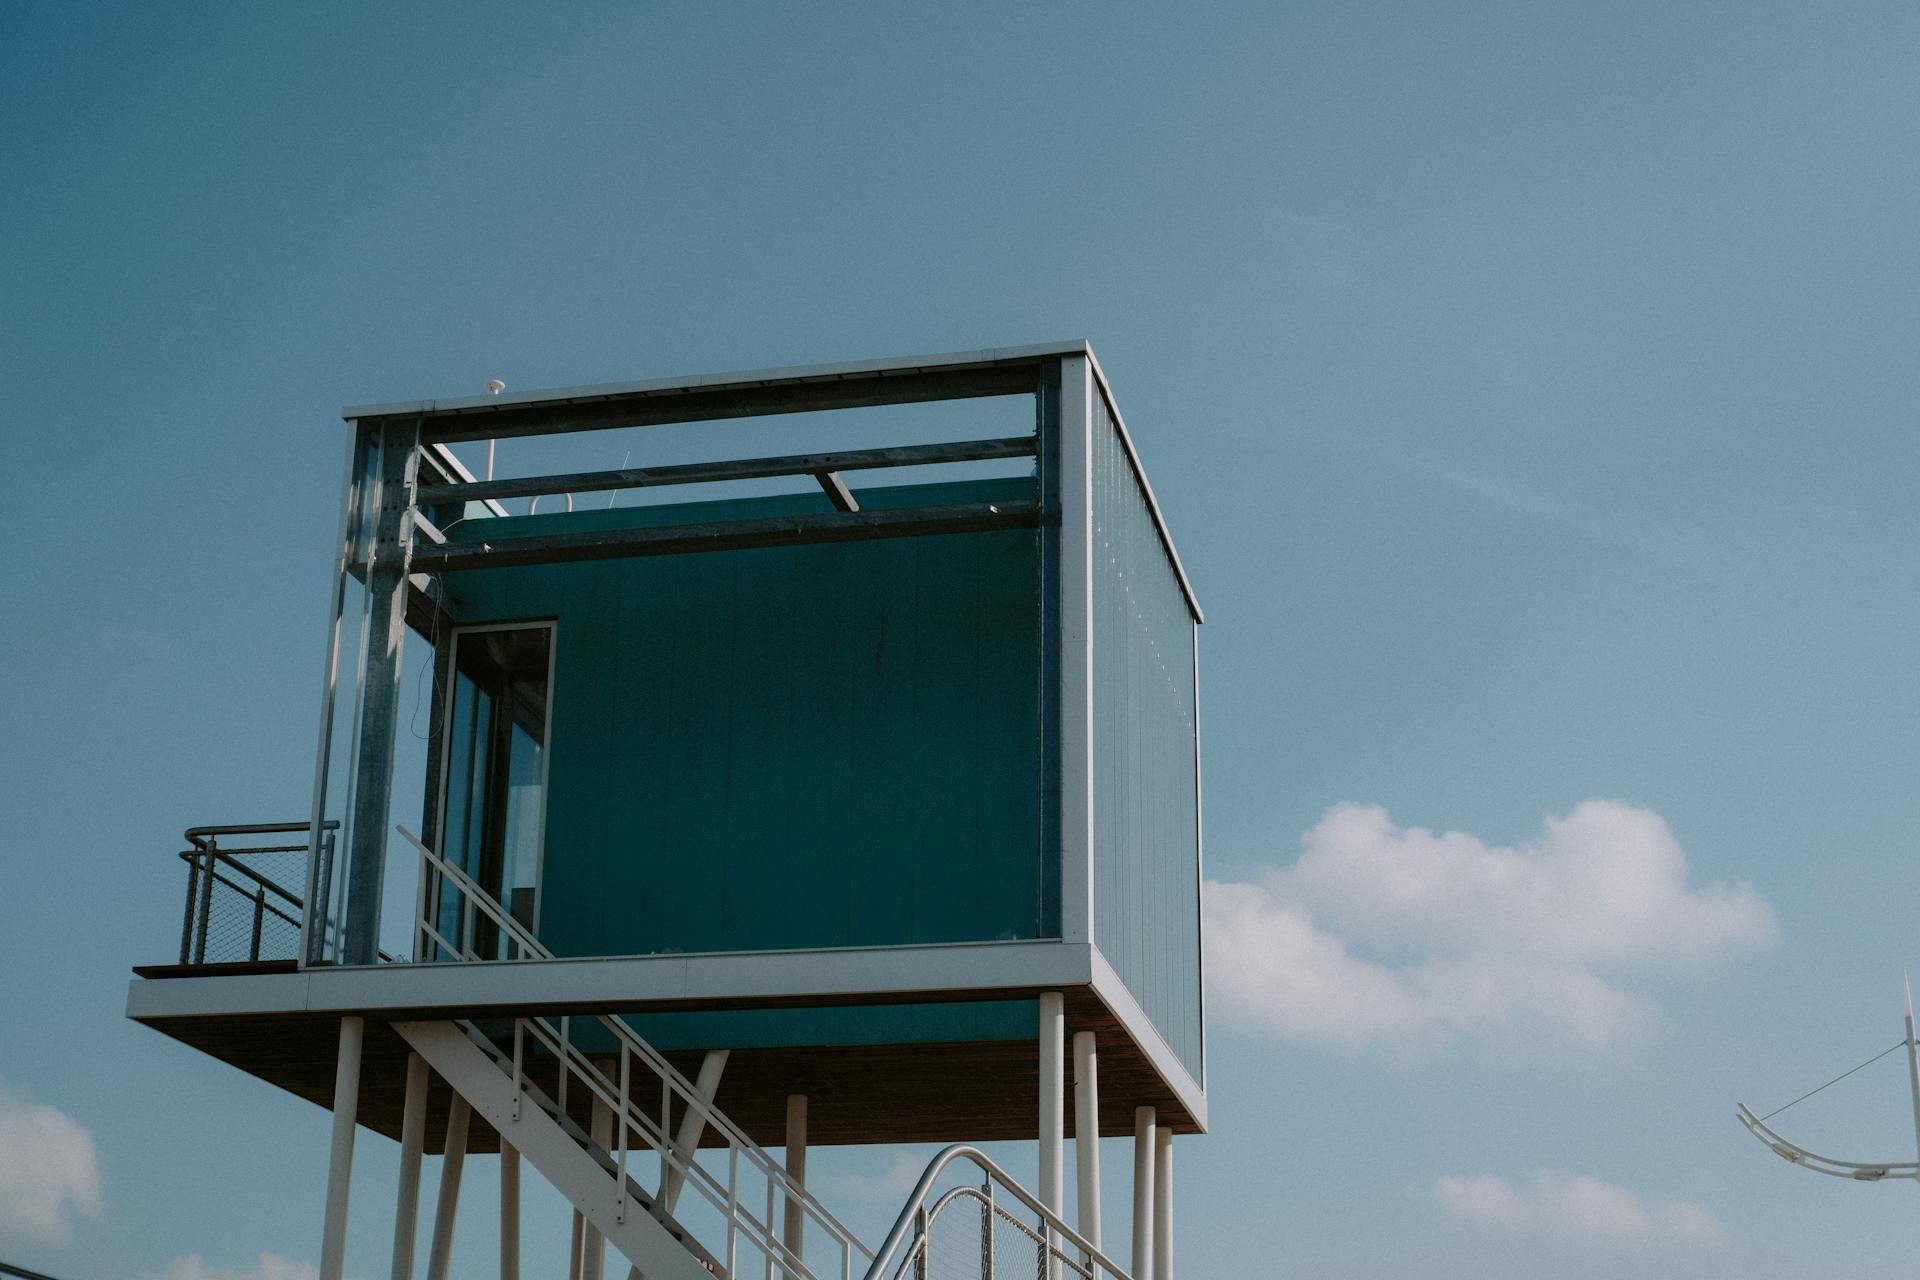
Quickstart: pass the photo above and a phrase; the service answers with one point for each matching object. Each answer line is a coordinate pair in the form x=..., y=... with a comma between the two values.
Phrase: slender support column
x=413, y=1134
x=386, y=579
x=686, y=1140
x=576, y=1250
x=1053, y=1087
x=593, y=1245
x=452, y=1164
x=1145, y=1142
x=346, y=1110
x=795, y=1232
x=509, y=1212
x=1086, y=1135
x=1163, y=1205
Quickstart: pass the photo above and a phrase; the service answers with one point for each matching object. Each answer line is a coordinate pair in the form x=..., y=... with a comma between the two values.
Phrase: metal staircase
x=633, y=1221
x=521, y=1078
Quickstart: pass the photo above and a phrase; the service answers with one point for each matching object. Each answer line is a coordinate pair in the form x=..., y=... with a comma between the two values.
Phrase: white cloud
x=1580, y=1207
x=1482, y=1199
x=1470, y=936
x=268, y=1266
x=47, y=1169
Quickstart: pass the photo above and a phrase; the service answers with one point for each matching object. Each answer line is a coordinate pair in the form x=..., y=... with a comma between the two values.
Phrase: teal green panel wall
x=1146, y=873
x=814, y=746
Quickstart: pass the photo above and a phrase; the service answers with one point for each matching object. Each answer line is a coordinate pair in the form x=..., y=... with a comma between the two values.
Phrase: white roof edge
x=794, y=373
x=1146, y=488
x=811, y=372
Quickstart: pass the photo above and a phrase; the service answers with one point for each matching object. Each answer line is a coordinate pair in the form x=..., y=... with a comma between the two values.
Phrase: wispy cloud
x=891, y=1182
x=47, y=1168
x=1469, y=937
x=268, y=1266
x=1411, y=457
x=1419, y=461
x=1578, y=1207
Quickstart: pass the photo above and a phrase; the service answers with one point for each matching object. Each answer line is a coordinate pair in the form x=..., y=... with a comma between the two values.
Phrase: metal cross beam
x=728, y=535
x=797, y=464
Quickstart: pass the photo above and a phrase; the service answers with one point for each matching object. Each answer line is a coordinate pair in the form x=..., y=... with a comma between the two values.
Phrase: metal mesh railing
x=244, y=891
x=996, y=1230
x=968, y=1236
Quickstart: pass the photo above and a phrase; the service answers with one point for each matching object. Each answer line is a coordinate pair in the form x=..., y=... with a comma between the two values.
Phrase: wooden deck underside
x=963, y=1092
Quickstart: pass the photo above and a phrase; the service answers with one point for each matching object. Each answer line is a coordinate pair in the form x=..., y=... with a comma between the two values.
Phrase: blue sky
x=1530, y=389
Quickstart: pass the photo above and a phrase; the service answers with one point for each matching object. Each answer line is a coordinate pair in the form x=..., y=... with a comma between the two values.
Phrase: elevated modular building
x=824, y=795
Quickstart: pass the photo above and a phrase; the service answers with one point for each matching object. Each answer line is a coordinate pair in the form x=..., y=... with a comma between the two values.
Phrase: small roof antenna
x=494, y=388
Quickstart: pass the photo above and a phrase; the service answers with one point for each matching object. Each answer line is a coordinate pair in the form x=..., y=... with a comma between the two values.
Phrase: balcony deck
x=280, y=1024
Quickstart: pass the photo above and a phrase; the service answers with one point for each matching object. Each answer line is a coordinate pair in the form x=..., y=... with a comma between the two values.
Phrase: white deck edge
x=660, y=982
x=903, y=974
x=1160, y=1055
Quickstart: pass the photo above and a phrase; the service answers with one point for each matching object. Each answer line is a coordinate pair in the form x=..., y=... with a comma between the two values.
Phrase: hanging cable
x=1897, y=1044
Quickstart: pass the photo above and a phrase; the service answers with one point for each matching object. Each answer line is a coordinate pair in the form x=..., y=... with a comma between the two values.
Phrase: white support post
x=576, y=1249
x=686, y=1139
x=346, y=1111
x=1163, y=1204
x=509, y=1212
x=1086, y=1135
x=794, y=1234
x=413, y=1133
x=452, y=1163
x=593, y=1245
x=1145, y=1142
x=1053, y=1087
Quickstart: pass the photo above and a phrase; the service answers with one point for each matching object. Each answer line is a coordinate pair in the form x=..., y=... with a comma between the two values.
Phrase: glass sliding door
x=494, y=762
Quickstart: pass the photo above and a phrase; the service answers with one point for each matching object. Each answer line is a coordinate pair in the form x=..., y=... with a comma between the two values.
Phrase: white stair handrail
x=476, y=901
x=1074, y=1250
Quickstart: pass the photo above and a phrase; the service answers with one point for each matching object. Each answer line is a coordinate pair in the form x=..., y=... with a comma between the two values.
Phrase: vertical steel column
x=1144, y=1143
x=1072, y=489
x=313, y=921
x=794, y=1234
x=452, y=1163
x=413, y=1134
x=1086, y=1135
x=380, y=697
x=1163, y=1204
x=1053, y=1021
x=346, y=1108
x=509, y=1212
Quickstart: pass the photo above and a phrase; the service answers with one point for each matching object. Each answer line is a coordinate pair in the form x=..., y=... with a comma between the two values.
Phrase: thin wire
x=22, y=1272
x=1897, y=1044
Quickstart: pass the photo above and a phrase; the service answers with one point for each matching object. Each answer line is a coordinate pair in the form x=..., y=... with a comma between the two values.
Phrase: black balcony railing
x=244, y=891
